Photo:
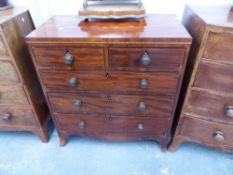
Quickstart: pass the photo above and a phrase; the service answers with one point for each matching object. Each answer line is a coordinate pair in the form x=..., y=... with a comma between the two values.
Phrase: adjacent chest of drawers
x=111, y=80
x=207, y=113
x=22, y=105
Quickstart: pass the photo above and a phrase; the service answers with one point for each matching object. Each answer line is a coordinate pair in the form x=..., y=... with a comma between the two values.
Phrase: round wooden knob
x=78, y=103
x=229, y=111
x=68, y=58
x=82, y=124
x=218, y=136
x=73, y=81
x=145, y=59
x=140, y=127
x=142, y=106
x=143, y=83
x=6, y=117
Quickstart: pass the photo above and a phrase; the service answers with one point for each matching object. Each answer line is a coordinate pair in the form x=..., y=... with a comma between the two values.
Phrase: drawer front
x=158, y=84
x=8, y=72
x=207, y=132
x=215, y=77
x=114, y=104
x=12, y=95
x=3, y=50
x=154, y=59
x=73, y=58
x=211, y=106
x=219, y=47
x=11, y=116
x=117, y=124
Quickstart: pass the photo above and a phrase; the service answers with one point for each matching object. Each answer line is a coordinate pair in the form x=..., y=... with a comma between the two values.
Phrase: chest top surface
x=153, y=28
x=215, y=15
x=6, y=15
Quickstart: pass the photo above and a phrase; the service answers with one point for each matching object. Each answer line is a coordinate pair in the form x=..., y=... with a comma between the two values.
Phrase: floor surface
x=24, y=154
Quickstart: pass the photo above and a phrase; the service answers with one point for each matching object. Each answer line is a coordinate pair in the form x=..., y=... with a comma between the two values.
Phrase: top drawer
x=219, y=47
x=153, y=59
x=72, y=58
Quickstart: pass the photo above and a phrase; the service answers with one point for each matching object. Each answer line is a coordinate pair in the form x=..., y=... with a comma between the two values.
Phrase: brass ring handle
x=68, y=58
x=145, y=60
x=142, y=106
x=218, y=136
x=73, y=81
x=143, y=83
x=140, y=127
x=78, y=104
x=82, y=124
x=229, y=111
x=6, y=117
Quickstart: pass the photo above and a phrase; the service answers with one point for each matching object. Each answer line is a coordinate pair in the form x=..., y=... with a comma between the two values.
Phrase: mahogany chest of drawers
x=111, y=80
x=22, y=104
x=206, y=116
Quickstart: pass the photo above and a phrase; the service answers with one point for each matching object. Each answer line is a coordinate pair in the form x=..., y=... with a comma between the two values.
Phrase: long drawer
x=8, y=72
x=211, y=106
x=159, y=84
x=13, y=95
x=11, y=116
x=153, y=59
x=216, y=77
x=72, y=58
x=116, y=124
x=207, y=132
x=114, y=104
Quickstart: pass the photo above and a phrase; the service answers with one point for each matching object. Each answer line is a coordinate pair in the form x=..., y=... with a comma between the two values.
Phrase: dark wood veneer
x=108, y=77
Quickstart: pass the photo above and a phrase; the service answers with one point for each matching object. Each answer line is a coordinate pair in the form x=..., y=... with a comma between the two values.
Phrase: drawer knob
x=143, y=83
x=142, y=106
x=145, y=59
x=140, y=127
x=82, y=124
x=218, y=136
x=229, y=111
x=78, y=104
x=68, y=58
x=7, y=117
x=73, y=81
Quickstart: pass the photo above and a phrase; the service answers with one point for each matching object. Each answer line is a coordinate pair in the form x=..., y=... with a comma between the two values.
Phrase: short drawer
x=154, y=59
x=73, y=58
x=8, y=72
x=13, y=95
x=211, y=106
x=207, y=132
x=216, y=77
x=159, y=84
x=219, y=47
x=116, y=124
x=11, y=116
x=107, y=103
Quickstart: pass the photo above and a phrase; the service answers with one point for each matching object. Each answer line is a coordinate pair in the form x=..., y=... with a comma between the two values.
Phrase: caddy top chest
x=111, y=80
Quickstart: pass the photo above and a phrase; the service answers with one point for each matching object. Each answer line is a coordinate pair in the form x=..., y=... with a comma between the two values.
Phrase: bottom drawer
x=207, y=132
x=91, y=124
x=16, y=117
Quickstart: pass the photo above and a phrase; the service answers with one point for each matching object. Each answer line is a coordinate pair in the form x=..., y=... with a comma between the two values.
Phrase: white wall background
x=41, y=10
